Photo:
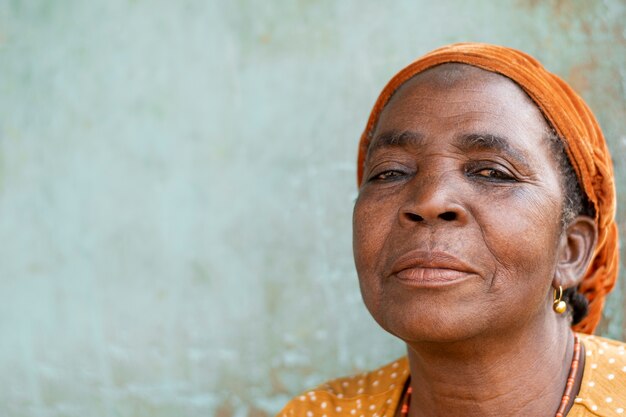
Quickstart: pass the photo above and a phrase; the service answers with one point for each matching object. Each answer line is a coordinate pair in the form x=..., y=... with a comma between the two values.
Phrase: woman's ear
x=577, y=246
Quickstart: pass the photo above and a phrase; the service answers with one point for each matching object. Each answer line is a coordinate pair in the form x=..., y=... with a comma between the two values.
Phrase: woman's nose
x=433, y=200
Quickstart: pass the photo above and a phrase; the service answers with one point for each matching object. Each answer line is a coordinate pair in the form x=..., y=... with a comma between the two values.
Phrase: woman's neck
x=513, y=374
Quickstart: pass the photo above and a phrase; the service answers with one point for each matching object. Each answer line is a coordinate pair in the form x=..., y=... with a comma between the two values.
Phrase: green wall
x=177, y=180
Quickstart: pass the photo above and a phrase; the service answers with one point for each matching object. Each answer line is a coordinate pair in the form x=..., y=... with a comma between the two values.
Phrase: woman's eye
x=387, y=175
x=495, y=174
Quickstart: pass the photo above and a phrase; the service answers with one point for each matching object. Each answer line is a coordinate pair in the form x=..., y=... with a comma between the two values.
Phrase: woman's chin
x=432, y=330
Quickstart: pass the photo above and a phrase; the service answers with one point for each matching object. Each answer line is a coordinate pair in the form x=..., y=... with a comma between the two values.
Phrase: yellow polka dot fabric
x=377, y=393
x=603, y=389
x=372, y=394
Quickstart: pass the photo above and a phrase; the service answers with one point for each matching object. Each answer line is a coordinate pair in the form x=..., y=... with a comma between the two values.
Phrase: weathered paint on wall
x=177, y=179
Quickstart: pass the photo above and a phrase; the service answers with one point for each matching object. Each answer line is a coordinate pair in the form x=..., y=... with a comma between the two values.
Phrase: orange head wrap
x=574, y=123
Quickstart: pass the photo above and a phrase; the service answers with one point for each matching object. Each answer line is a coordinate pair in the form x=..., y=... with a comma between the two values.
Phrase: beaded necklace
x=404, y=412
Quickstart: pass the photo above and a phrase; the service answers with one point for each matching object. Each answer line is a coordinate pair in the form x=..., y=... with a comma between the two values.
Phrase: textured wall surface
x=177, y=180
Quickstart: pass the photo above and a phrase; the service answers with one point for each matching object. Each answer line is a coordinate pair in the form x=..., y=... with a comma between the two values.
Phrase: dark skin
x=458, y=244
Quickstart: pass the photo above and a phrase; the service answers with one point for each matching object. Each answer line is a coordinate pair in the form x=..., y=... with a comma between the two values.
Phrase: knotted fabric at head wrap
x=575, y=124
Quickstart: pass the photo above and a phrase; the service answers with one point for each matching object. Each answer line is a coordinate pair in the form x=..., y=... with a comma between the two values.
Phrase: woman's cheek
x=522, y=239
x=371, y=224
x=364, y=229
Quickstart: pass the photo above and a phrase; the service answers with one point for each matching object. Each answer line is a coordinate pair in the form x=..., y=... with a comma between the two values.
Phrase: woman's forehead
x=452, y=73
x=457, y=94
x=452, y=77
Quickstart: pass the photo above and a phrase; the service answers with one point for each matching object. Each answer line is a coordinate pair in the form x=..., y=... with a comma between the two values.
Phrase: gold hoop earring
x=559, y=305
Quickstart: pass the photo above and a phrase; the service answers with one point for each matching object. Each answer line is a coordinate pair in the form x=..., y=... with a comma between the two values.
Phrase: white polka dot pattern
x=603, y=390
x=374, y=394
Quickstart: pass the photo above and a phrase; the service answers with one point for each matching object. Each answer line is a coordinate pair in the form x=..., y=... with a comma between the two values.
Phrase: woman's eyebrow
x=465, y=143
x=490, y=142
x=395, y=138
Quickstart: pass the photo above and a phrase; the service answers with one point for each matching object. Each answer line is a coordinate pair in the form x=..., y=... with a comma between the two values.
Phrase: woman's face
x=457, y=224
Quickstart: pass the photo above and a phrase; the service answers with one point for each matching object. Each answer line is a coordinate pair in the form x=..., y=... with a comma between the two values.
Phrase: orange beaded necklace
x=571, y=378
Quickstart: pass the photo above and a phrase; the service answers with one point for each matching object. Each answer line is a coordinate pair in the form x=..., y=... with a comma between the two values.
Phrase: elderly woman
x=484, y=238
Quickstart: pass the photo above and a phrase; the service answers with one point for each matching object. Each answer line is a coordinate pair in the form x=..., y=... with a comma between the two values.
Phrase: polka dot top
x=377, y=393
x=603, y=389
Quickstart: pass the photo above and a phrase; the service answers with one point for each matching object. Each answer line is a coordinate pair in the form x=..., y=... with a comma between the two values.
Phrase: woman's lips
x=430, y=274
x=426, y=268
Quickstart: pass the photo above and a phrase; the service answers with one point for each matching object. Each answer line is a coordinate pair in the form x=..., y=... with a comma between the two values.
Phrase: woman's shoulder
x=374, y=393
x=603, y=388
